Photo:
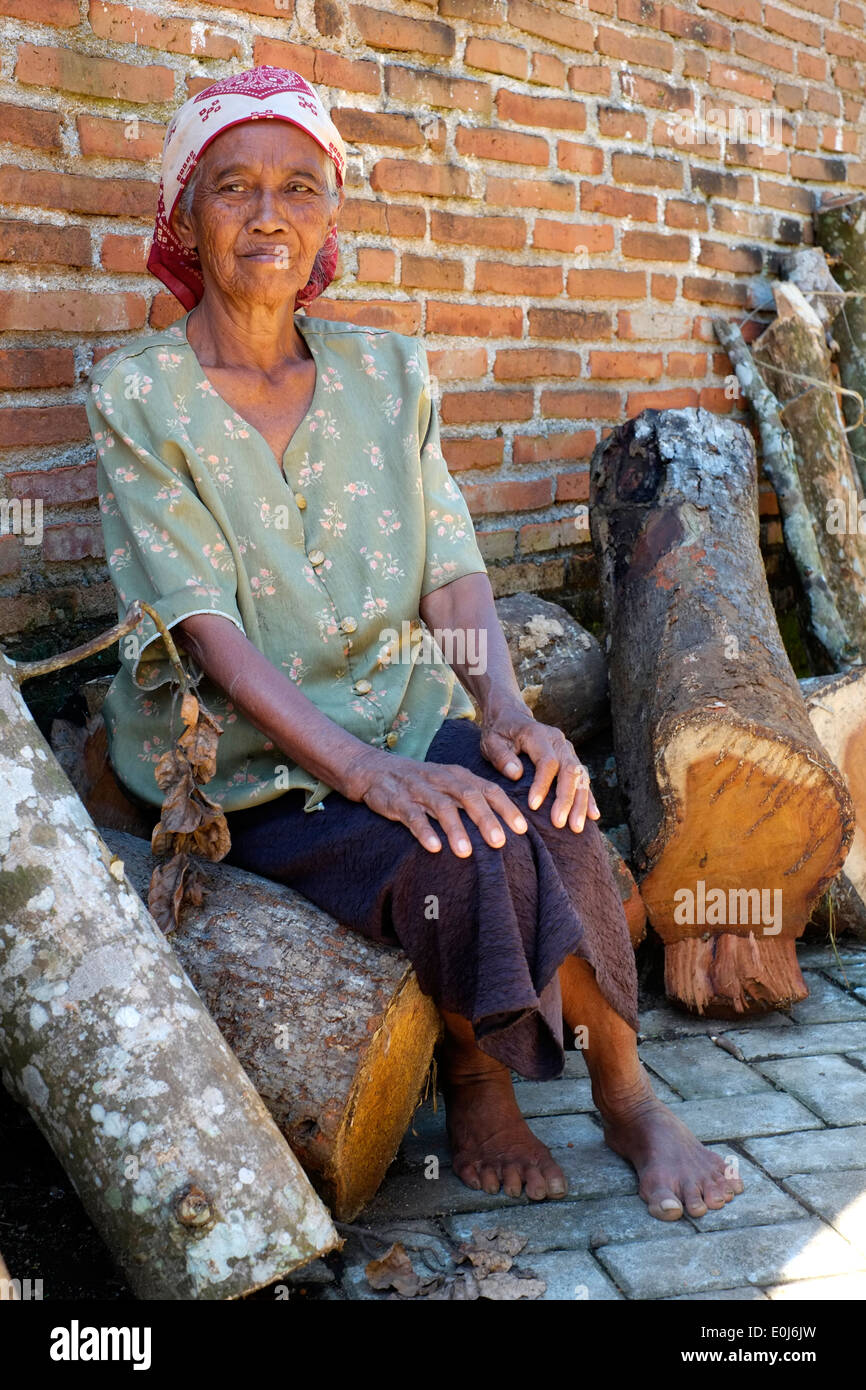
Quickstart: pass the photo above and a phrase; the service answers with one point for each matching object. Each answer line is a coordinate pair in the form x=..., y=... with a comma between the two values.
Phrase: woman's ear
x=183, y=228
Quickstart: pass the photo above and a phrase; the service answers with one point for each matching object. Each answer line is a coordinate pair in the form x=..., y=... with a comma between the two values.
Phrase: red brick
x=708, y=291
x=316, y=65
x=458, y=364
x=802, y=31
x=463, y=454
x=474, y=11
x=746, y=260
x=75, y=193
x=27, y=243
x=554, y=113
x=655, y=246
x=375, y=263
x=124, y=254
x=688, y=364
x=497, y=545
x=431, y=272
x=679, y=213
x=698, y=28
x=26, y=368
x=70, y=311
x=376, y=127
x=364, y=215
x=616, y=202
x=491, y=56
x=573, y=487
x=748, y=10
x=10, y=555
x=679, y=399
x=748, y=84
x=437, y=89
x=60, y=14
x=506, y=145
x=21, y=426
x=408, y=176
x=550, y=448
x=75, y=540
x=461, y=407
x=531, y=193
x=759, y=47
x=506, y=233
x=644, y=12
x=122, y=24
x=92, y=76
x=165, y=310
x=523, y=364
x=810, y=65
x=76, y=483
x=573, y=324
x=30, y=126
x=509, y=495
x=579, y=159
x=473, y=320
x=621, y=124
x=130, y=139
x=500, y=277
x=383, y=29
x=550, y=24
x=568, y=237
x=590, y=78
x=803, y=166
x=548, y=70
x=625, y=366
x=378, y=313
x=647, y=169
x=582, y=403
x=635, y=48
x=601, y=283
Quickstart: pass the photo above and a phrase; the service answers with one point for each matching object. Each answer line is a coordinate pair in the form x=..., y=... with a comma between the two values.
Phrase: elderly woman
x=273, y=484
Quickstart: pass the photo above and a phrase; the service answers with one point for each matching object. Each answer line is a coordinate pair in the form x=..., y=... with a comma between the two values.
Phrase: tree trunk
x=788, y=353
x=558, y=664
x=103, y=1038
x=332, y=1029
x=729, y=791
x=8, y=1291
x=840, y=229
x=837, y=709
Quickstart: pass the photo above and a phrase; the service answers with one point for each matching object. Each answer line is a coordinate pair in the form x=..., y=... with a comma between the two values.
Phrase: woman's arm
x=466, y=606
x=401, y=789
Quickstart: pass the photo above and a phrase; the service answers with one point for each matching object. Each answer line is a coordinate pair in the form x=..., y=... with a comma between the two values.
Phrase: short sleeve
x=162, y=544
x=452, y=549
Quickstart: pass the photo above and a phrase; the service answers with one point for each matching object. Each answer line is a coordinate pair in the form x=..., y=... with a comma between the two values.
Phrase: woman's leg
x=674, y=1168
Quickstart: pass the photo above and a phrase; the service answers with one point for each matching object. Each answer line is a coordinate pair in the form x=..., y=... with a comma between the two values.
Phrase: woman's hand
x=406, y=790
x=506, y=735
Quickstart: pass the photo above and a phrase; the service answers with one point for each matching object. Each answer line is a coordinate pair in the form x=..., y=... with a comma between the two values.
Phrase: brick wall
x=539, y=189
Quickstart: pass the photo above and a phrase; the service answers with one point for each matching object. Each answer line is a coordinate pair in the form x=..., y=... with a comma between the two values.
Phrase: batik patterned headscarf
x=263, y=93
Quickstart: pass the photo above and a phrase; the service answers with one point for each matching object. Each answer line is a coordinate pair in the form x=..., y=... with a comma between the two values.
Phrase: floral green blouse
x=320, y=564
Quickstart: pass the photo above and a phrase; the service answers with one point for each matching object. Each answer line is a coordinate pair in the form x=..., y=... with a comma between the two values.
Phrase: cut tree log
x=732, y=799
x=837, y=709
x=8, y=1290
x=780, y=465
x=794, y=361
x=840, y=230
x=332, y=1029
x=558, y=664
x=174, y=1156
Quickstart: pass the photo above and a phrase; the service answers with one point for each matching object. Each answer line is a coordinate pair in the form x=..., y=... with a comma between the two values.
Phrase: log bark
x=558, y=664
x=780, y=465
x=175, y=1158
x=794, y=361
x=332, y=1029
x=837, y=709
x=840, y=230
x=727, y=786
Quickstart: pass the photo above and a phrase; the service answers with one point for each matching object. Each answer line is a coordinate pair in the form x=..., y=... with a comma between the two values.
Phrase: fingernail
x=464, y=846
x=534, y=803
x=520, y=825
x=512, y=769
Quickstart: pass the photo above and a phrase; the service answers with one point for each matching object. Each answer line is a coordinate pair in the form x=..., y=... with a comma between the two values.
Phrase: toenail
x=669, y=1204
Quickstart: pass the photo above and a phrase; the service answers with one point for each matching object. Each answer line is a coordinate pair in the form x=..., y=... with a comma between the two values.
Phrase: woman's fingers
x=546, y=768
x=416, y=821
x=499, y=750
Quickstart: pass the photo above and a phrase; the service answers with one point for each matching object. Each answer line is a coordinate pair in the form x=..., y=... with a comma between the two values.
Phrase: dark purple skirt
x=486, y=934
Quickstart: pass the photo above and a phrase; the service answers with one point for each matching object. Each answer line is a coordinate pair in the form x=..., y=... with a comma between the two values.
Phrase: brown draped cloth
x=487, y=934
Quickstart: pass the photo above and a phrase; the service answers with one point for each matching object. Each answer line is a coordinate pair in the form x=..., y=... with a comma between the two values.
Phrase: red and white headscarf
x=262, y=93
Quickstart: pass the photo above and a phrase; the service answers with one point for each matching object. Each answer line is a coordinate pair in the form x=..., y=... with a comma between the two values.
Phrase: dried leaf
x=169, y=769
x=502, y=1286
x=491, y=1251
x=199, y=744
x=394, y=1271
x=189, y=709
x=212, y=839
x=165, y=895
x=181, y=810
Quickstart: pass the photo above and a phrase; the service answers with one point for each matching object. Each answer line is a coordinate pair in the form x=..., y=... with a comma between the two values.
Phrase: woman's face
x=261, y=211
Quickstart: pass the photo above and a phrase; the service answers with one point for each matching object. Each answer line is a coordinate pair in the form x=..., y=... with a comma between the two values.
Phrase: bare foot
x=676, y=1172
x=491, y=1143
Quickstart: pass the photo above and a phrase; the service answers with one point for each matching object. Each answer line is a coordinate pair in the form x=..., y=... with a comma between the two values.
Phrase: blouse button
x=392, y=739
x=348, y=625
x=317, y=557
x=300, y=501
x=362, y=687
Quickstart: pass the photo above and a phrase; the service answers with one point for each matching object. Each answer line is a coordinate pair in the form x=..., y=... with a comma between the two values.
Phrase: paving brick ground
x=791, y=1114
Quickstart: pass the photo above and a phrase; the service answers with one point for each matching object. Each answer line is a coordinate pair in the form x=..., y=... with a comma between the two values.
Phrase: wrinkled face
x=261, y=207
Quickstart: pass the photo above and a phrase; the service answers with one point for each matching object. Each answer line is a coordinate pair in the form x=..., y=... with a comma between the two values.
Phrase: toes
x=694, y=1200
x=716, y=1193
x=512, y=1180
x=536, y=1185
x=490, y=1178
x=468, y=1174
x=663, y=1204
x=555, y=1179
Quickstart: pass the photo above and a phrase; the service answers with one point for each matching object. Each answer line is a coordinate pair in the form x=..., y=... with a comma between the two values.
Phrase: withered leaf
x=199, y=743
x=394, y=1271
x=189, y=709
x=212, y=839
x=169, y=769
x=501, y=1286
x=166, y=893
x=491, y=1251
x=181, y=808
